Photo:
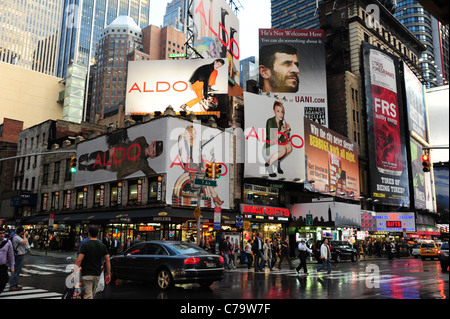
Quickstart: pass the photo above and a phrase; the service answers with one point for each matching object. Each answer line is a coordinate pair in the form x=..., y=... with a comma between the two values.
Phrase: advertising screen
x=292, y=64
x=396, y=222
x=197, y=86
x=167, y=145
x=331, y=161
x=274, y=138
x=216, y=33
x=385, y=128
x=415, y=104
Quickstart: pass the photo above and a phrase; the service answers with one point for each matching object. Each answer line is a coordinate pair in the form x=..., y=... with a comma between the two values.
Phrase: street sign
x=217, y=217
x=197, y=212
x=205, y=182
x=177, y=55
x=309, y=219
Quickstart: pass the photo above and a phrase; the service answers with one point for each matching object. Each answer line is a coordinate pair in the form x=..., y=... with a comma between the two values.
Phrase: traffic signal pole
x=35, y=154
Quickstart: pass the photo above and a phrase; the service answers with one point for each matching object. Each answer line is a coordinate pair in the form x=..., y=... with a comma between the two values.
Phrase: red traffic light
x=426, y=163
x=425, y=158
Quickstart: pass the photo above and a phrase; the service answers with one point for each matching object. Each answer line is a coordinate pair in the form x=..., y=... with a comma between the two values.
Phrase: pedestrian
x=236, y=252
x=275, y=251
x=127, y=244
x=107, y=242
x=325, y=255
x=303, y=251
x=92, y=253
x=390, y=247
x=248, y=253
x=225, y=251
x=20, y=246
x=267, y=253
x=284, y=253
x=258, y=251
x=6, y=258
x=114, y=246
x=137, y=240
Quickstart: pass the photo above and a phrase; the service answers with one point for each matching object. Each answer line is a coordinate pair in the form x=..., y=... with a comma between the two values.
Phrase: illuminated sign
x=146, y=228
x=264, y=210
x=396, y=222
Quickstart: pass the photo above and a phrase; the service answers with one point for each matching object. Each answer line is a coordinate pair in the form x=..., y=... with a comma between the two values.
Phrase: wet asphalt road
x=367, y=279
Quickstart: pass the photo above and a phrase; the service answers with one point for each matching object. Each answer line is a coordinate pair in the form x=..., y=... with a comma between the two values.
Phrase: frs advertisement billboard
x=415, y=104
x=292, y=63
x=386, y=140
x=165, y=145
x=216, y=33
x=274, y=138
x=331, y=161
x=191, y=85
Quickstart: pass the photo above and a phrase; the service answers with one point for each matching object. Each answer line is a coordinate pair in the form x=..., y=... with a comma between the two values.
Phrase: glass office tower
x=83, y=23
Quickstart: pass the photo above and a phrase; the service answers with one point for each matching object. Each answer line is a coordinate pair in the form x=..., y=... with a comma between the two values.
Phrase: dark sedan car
x=340, y=250
x=443, y=257
x=167, y=263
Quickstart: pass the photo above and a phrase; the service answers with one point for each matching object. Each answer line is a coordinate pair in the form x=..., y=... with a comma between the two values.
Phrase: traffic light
x=217, y=170
x=210, y=170
x=426, y=163
x=73, y=164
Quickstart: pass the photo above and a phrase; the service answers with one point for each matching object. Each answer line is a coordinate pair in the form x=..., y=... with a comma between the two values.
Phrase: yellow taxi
x=429, y=250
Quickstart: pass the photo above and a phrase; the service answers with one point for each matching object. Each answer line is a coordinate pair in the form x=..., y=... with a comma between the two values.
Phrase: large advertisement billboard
x=187, y=85
x=385, y=128
x=274, y=138
x=292, y=64
x=328, y=213
x=415, y=103
x=421, y=180
x=331, y=161
x=216, y=33
x=168, y=146
x=396, y=222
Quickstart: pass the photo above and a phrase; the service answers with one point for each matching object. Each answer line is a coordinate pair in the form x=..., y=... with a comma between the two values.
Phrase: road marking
x=29, y=293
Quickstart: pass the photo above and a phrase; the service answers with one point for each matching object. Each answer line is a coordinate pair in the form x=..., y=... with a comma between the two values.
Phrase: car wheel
x=164, y=279
x=338, y=258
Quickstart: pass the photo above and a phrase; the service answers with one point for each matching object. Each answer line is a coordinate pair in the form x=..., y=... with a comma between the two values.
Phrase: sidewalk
x=53, y=253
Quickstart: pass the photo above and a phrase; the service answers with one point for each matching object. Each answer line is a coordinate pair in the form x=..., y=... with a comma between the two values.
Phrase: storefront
x=270, y=221
x=150, y=223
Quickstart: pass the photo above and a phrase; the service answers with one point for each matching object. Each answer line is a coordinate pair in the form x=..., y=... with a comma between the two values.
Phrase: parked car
x=443, y=257
x=429, y=250
x=342, y=250
x=168, y=263
x=415, y=250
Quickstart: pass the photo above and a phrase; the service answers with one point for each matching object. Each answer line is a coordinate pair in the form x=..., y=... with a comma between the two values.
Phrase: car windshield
x=416, y=246
x=444, y=246
x=427, y=246
x=340, y=244
x=186, y=248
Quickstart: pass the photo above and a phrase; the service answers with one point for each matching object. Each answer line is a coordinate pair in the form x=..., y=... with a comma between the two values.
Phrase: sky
x=256, y=13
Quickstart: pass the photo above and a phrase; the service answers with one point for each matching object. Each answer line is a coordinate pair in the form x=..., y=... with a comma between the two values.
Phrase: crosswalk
x=44, y=269
x=29, y=293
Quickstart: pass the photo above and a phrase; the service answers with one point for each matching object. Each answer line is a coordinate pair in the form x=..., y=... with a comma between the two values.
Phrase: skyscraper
x=29, y=33
x=175, y=15
x=118, y=40
x=299, y=14
x=83, y=22
x=434, y=35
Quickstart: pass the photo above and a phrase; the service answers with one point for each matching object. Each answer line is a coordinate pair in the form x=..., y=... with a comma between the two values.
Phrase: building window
x=56, y=172
x=80, y=198
x=153, y=186
x=132, y=192
x=45, y=174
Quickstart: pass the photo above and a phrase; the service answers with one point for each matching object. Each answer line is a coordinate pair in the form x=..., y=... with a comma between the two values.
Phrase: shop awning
x=119, y=214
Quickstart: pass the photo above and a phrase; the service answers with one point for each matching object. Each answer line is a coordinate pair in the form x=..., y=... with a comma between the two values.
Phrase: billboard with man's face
x=216, y=33
x=187, y=85
x=292, y=65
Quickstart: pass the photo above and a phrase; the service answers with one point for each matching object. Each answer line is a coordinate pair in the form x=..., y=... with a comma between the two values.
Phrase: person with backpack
x=20, y=247
x=285, y=254
x=6, y=258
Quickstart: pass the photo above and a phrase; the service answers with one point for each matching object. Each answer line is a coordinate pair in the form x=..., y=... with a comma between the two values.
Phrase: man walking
x=19, y=244
x=325, y=255
x=89, y=260
x=285, y=254
x=302, y=254
x=6, y=258
x=259, y=253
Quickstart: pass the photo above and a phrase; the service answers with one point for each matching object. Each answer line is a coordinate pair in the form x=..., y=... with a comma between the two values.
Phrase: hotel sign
x=264, y=210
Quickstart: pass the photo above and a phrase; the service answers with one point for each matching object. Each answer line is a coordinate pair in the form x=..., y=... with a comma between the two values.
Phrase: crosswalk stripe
x=29, y=293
